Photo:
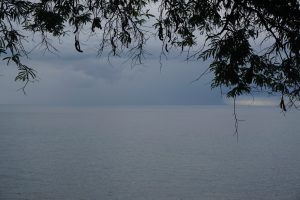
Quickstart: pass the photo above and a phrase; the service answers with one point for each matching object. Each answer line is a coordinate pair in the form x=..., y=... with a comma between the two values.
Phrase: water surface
x=148, y=153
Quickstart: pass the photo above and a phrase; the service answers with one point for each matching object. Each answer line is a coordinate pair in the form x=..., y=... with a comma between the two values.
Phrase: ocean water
x=148, y=153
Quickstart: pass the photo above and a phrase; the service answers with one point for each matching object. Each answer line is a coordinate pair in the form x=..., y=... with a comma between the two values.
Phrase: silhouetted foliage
x=253, y=45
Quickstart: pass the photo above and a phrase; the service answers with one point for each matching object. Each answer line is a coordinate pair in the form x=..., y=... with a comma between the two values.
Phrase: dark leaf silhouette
x=252, y=45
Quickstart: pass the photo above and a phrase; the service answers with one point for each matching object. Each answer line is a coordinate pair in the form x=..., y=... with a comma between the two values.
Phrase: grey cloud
x=74, y=78
x=98, y=69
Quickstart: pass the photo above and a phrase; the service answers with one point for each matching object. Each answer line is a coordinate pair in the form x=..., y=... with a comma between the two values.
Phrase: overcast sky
x=72, y=78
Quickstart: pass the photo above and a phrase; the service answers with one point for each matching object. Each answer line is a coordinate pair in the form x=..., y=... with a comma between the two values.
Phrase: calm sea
x=148, y=153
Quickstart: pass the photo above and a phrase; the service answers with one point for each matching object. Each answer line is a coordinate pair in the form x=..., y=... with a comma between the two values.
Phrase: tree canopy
x=252, y=45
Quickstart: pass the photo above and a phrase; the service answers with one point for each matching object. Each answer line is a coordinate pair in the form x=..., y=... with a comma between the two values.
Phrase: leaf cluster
x=253, y=45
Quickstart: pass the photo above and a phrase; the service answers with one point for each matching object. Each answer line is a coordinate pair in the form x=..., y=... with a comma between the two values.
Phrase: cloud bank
x=72, y=78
